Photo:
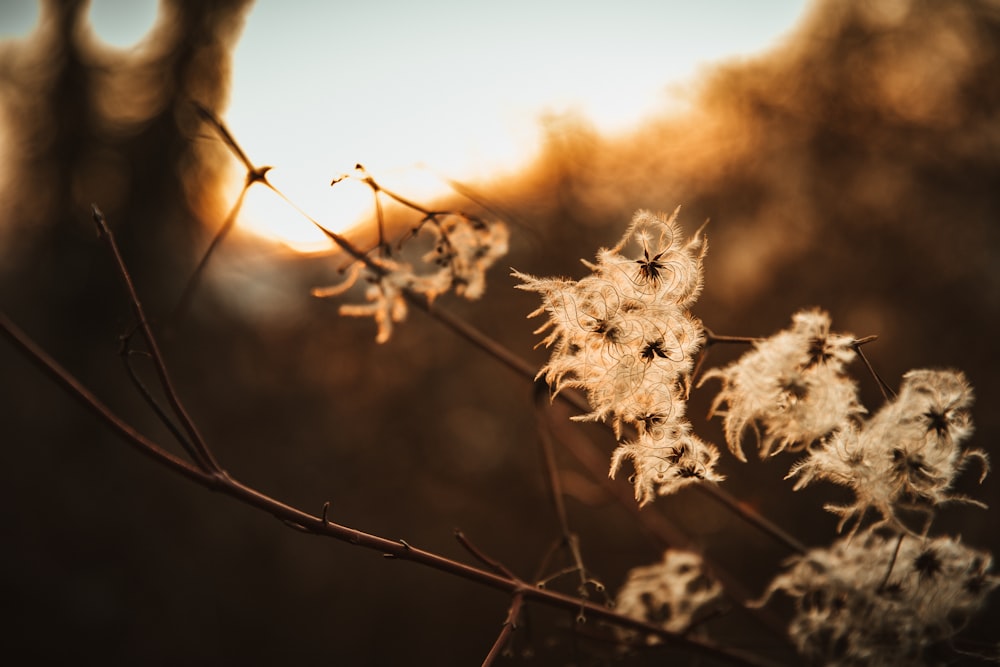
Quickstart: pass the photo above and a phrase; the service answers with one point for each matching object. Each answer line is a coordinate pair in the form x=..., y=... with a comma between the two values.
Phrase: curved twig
x=321, y=525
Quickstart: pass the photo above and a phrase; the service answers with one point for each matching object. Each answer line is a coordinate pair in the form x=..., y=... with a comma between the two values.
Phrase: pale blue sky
x=457, y=85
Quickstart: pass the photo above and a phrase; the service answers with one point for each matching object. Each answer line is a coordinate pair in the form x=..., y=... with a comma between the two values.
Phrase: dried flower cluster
x=463, y=249
x=907, y=455
x=625, y=336
x=871, y=600
x=880, y=600
x=670, y=594
x=792, y=388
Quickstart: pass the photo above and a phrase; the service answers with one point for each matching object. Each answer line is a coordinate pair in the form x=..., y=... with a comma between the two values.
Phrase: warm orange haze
x=778, y=337
x=432, y=92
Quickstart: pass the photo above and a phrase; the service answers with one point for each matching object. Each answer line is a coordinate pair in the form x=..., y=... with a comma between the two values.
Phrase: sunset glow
x=459, y=90
x=424, y=92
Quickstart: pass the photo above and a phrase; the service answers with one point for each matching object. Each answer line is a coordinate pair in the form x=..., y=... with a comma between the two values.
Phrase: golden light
x=265, y=214
x=415, y=169
x=314, y=92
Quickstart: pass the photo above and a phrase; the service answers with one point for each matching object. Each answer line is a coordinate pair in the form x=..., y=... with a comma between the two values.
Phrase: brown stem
x=147, y=396
x=509, y=625
x=479, y=555
x=203, y=457
x=82, y=395
x=887, y=392
x=892, y=564
x=661, y=531
x=194, y=280
x=713, y=338
x=752, y=517
x=570, y=540
x=553, y=481
x=321, y=525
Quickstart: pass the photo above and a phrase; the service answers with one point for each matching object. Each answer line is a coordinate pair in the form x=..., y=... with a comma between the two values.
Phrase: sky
x=423, y=91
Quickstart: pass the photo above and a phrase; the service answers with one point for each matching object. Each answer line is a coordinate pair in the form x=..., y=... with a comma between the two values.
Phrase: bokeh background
x=855, y=165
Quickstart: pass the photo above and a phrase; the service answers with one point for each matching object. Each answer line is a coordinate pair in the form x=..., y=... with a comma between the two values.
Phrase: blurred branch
x=87, y=399
x=208, y=474
x=568, y=539
x=194, y=280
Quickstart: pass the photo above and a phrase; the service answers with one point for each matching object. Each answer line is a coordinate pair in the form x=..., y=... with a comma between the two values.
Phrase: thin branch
x=892, y=564
x=481, y=556
x=661, y=531
x=321, y=525
x=203, y=457
x=154, y=405
x=82, y=395
x=480, y=200
x=752, y=517
x=194, y=280
x=887, y=393
x=253, y=173
x=509, y=625
x=714, y=338
x=553, y=481
x=570, y=540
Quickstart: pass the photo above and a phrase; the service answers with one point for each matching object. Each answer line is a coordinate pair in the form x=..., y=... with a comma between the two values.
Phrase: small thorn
x=99, y=221
x=326, y=508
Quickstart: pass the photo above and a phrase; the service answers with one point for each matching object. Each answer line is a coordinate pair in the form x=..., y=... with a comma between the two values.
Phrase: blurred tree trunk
x=95, y=125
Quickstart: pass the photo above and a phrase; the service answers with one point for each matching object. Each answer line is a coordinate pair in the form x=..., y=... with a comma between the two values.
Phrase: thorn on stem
x=99, y=221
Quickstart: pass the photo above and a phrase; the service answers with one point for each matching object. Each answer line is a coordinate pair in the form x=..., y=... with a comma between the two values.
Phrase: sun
x=266, y=214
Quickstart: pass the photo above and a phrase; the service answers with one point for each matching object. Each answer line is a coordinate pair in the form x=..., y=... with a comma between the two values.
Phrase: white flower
x=625, y=337
x=666, y=270
x=386, y=303
x=463, y=249
x=883, y=600
x=908, y=454
x=669, y=594
x=666, y=463
x=791, y=388
x=623, y=334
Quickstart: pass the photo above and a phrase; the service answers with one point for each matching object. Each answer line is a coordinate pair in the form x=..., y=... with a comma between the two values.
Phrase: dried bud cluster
x=791, y=388
x=908, y=454
x=463, y=249
x=625, y=336
x=669, y=594
x=883, y=600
